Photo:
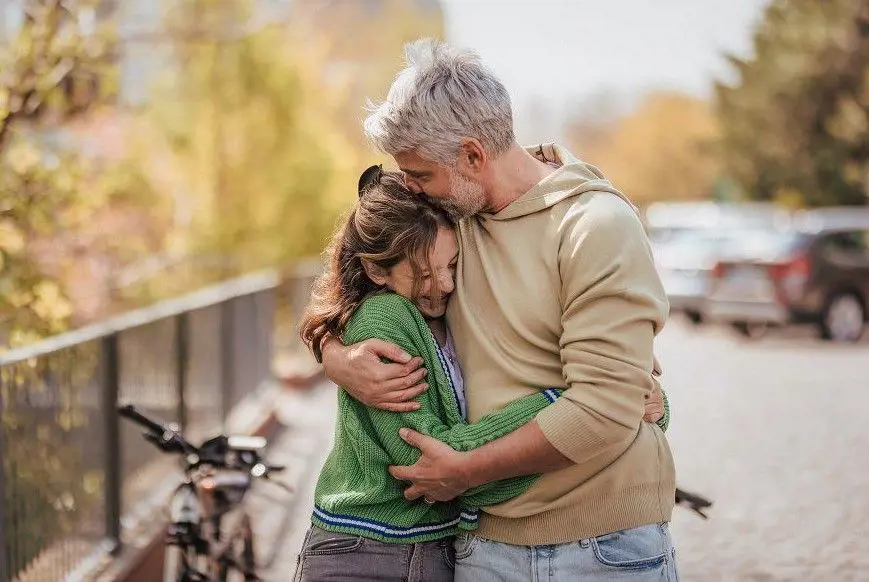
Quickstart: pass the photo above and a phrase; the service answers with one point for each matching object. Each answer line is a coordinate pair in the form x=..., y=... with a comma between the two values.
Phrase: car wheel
x=843, y=318
x=750, y=329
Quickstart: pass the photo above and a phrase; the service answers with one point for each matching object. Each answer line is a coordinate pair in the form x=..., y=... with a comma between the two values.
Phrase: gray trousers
x=336, y=557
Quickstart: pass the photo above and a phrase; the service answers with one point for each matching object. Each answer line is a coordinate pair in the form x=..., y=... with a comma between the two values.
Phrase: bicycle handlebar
x=129, y=412
x=166, y=437
x=169, y=440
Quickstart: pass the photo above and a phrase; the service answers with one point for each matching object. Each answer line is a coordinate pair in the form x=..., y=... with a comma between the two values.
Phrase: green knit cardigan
x=355, y=494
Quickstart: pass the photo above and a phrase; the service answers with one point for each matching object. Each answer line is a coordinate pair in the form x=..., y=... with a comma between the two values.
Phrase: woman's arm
x=387, y=319
x=664, y=421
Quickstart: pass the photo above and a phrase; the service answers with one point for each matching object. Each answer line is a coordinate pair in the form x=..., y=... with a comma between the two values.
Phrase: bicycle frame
x=207, y=513
x=207, y=518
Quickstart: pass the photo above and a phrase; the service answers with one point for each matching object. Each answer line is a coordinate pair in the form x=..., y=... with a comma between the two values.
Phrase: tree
x=664, y=150
x=795, y=121
x=251, y=151
x=55, y=69
x=51, y=71
x=259, y=127
x=360, y=63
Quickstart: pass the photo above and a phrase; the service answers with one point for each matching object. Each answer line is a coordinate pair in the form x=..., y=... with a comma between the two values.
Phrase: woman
x=391, y=271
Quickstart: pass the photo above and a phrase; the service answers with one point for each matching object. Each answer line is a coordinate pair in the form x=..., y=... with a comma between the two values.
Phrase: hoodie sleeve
x=613, y=304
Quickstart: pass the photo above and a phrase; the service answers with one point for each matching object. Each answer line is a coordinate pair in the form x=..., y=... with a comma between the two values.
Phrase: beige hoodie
x=559, y=289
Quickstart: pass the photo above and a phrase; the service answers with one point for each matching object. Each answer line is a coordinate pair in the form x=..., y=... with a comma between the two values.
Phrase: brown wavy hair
x=389, y=224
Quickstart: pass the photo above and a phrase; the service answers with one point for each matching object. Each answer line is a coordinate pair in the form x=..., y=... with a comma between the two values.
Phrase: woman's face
x=443, y=259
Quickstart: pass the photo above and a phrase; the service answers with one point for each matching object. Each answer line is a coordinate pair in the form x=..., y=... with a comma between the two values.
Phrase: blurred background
x=197, y=154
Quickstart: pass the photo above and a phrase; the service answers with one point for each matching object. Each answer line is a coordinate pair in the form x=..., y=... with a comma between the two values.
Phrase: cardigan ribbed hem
x=392, y=533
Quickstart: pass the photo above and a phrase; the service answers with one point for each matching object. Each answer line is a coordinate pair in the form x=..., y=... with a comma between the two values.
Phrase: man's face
x=457, y=194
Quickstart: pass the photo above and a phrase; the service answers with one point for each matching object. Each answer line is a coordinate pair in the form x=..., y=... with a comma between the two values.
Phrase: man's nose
x=412, y=185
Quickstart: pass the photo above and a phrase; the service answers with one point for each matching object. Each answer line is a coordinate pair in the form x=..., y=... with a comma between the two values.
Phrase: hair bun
x=370, y=177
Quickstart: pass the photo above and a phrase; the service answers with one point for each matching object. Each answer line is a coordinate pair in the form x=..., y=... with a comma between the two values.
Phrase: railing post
x=182, y=361
x=4, y=561
x=110, y=376
x=227, y=355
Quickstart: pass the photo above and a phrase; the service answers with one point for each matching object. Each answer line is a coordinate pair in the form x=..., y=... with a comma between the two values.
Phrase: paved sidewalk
x=281, y=519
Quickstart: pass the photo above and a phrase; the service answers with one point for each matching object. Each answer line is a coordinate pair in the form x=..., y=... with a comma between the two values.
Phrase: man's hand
x=359, y=370
x=654, y=405
x=438, y=475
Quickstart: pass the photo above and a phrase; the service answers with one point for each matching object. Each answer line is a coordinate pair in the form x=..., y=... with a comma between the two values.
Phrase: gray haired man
x=556, y=286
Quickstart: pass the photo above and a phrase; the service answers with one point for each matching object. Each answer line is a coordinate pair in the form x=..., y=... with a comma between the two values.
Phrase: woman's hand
x=359, y=369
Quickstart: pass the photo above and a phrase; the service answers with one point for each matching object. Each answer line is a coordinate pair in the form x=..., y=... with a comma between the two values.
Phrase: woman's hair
x=389, y=224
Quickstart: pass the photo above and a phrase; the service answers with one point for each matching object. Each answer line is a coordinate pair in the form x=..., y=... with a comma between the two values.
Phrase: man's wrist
x=470, y=469
x=329, y=345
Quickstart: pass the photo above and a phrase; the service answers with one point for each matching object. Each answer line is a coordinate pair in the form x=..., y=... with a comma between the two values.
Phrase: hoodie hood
x=572, y=177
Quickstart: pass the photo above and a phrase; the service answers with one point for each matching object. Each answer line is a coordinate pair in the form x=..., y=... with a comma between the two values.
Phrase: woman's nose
x=447, y=283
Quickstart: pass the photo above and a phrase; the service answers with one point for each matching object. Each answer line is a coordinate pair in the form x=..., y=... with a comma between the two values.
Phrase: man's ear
x=472, y=156
x=374, y=272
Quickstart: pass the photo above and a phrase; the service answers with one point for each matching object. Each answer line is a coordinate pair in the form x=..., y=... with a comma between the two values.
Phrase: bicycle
x=210, y=535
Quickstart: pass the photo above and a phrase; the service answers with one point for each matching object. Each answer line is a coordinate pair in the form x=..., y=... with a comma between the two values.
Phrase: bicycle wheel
x=174, y=563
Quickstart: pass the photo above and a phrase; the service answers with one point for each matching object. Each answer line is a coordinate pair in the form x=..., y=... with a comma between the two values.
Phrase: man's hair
x=442, y=95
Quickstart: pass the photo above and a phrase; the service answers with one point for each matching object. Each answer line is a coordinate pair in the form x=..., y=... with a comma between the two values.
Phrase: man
x=556, y=286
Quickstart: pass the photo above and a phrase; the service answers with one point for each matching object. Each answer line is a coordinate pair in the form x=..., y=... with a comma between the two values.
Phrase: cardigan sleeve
x=393, y=319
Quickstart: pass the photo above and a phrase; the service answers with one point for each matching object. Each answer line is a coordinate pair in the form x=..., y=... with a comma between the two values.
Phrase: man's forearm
x=522, y=452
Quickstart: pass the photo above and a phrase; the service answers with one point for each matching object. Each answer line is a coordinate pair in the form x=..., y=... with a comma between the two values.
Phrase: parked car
x=687, y=239
x=668, y=221
x=685, y=264
x=814, y=271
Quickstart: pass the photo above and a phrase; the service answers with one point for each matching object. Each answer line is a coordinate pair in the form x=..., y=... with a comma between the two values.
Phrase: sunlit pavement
x=775, y=431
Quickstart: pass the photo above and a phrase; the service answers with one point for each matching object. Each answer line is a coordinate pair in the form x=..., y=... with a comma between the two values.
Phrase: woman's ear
x=374, y=272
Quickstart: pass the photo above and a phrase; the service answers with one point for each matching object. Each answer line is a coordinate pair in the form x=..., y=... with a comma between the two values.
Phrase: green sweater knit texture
x=355, y=494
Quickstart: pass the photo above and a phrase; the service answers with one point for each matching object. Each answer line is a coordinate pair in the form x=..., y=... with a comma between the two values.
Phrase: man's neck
x=516, y=172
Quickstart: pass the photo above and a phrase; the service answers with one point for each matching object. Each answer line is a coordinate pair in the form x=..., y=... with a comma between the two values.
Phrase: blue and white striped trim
x=385, y=529
x=551, y=395
x=449, y=376
x=470, y=515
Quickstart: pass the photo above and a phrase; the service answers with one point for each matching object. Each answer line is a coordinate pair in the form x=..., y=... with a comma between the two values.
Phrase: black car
x=815, y=270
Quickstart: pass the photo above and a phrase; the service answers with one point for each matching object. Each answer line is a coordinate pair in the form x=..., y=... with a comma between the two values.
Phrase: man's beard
x=466, y=197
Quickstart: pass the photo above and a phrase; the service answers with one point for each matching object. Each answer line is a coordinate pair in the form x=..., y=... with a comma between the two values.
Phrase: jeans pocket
x=465, y=545
x=640, y=548
x=448, y=551
x=325, y=543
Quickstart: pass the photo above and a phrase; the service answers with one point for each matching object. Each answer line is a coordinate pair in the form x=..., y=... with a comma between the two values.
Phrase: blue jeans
x=643, y=553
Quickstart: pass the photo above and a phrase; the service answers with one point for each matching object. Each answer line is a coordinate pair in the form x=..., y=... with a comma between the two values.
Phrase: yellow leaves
x=23, y=157
x=4, y=102
x=664, y=150
x=789, y=198
x=92, y=482
x=11, y=238
x=49, y=302
x=21, y=336
x=850, y=122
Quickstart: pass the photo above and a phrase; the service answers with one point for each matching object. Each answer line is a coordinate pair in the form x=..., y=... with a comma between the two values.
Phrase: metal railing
x=72, y=476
